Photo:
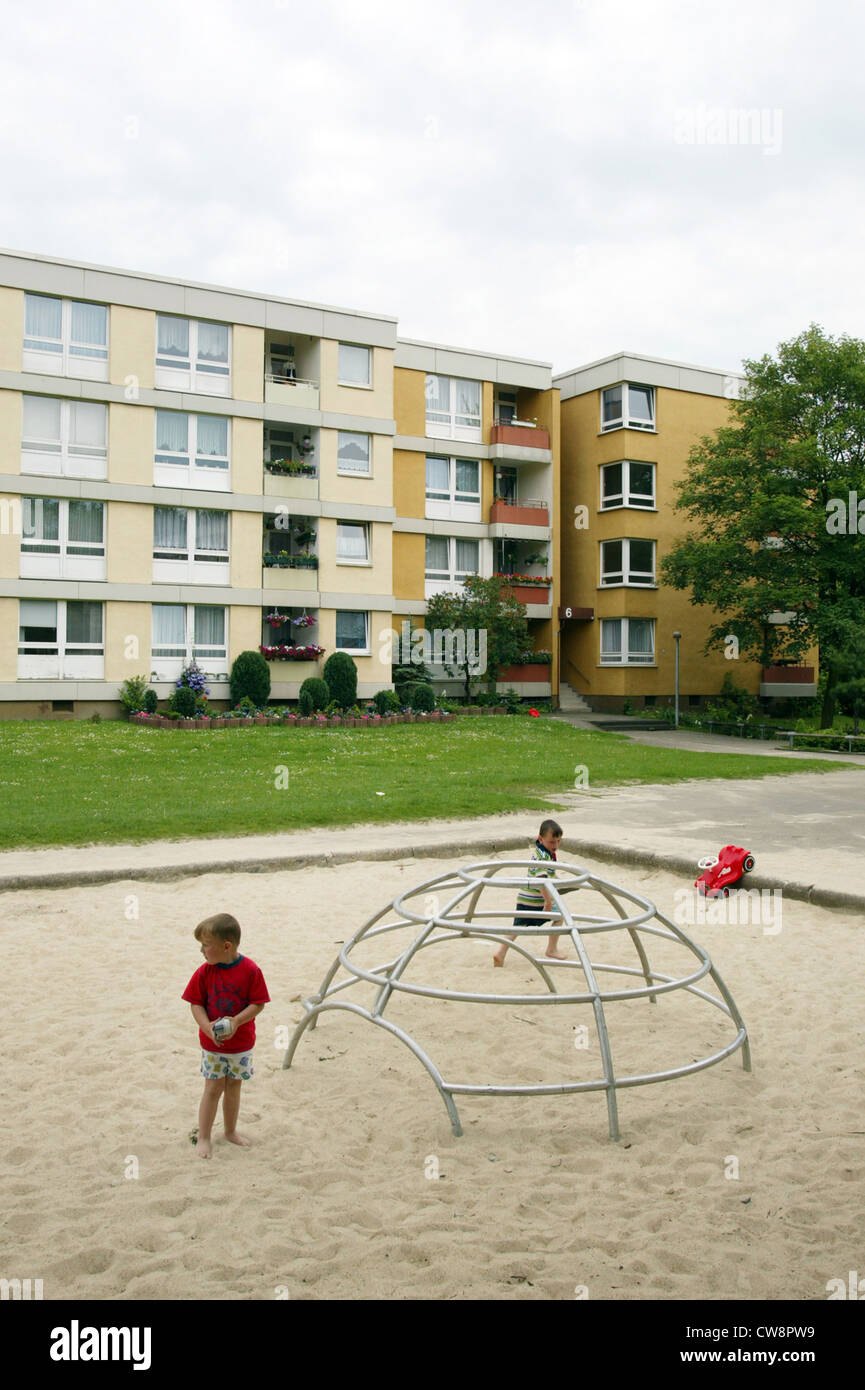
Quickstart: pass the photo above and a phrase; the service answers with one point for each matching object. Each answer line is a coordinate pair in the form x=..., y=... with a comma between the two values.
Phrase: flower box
x=529, y=593
x=530, y=671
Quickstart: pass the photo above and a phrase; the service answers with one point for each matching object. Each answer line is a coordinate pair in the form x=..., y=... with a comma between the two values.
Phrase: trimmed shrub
x=183, y=701
x=318, y=692
x=133, y=693
x=151, y=701
x=340, y=673
x=304, y=704
x=250, y=676
x=423, y=698
x=386, y=702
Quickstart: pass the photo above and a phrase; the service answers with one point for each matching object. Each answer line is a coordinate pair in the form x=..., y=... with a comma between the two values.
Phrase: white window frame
x=455, y=506
x=438, y=427
x=187, y=565
x=506, y=405
x=342, y=559
x=65, y=356
x=175, y=469
x=627, y=497
x=61, y=559
x=192, y=373
x=349, y=381
x=627, y=421
x=168, y=668
x=625, y=656
x=354, y=472
x=55, y=660
x=365, y=650
x=450, y=581
x=57, y=456
x=626, y=576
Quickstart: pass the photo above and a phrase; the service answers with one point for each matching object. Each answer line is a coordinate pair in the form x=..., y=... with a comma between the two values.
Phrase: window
x=60, y=639
x=627, y=484
x=627, y=641
x=453, y=408
x=627, y=562
x=628, y=407
x=62, y=539
x=449, y=560
x=453, y=488
x=506, y=406
x=182, y=632
x=64, y=438
x=192, y=355
x=355, y=365
x=189, y=546
x=353, y=453
x=191, y=451
x=352, y=631
x=352, y=543
x=66, y=337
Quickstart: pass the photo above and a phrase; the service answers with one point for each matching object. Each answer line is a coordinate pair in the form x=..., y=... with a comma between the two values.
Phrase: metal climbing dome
x=478, y=902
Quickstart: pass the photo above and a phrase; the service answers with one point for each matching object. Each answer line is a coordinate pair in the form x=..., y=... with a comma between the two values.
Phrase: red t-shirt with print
x=225, y=990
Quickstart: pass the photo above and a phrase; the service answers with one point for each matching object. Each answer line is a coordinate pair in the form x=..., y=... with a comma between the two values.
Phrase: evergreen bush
x=250, y=676
x=318, y=692
x=340, y=673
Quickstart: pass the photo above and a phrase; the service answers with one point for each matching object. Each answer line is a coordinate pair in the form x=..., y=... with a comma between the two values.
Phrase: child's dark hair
x=550, y=827
x=223, y=926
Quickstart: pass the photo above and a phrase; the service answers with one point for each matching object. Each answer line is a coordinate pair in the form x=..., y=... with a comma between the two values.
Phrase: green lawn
x=80, y=783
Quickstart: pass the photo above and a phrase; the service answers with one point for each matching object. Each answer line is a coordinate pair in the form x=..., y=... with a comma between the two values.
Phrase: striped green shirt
x=530, y=898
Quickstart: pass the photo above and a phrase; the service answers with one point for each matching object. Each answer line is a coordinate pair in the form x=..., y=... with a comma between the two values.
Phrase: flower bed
x=314, y=721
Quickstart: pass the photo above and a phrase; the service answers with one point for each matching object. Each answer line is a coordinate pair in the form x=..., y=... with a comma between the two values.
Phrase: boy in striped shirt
x=537, y=899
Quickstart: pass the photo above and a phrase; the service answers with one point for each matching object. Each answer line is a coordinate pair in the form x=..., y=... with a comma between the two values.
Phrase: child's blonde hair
x=223, y=926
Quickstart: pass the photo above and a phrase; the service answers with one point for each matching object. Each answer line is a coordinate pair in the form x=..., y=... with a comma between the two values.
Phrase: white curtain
x=85, y=522
x=172, y=432
x=212, y=438
x=438, y=395
x=468, y=405
x=353, y=452
x=169, y=629
x=83, y=623
x=88, y=425
x=43, y=317
x=467, y=477
x=40, y=519
x=641, y=637
x=37, y=615
x=438, y=477
x=436, y=556
x=611, y=637
x=169, y=528
x=351, y=630
x=467, y=557
x=351, y=542
x=354, y=364
x=41, y=419
x=211, y=531
x=210, y=628
x=212, y=342
x=172, y=336
x=89, y=324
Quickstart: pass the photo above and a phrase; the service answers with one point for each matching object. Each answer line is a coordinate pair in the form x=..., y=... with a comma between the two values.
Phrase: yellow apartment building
x=628, y=425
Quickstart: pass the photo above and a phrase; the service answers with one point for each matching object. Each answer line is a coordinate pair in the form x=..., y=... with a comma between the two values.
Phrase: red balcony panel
x=788, y=675
x=531, y=671
x=520, y=435
x=529, y=593
x=519, y=516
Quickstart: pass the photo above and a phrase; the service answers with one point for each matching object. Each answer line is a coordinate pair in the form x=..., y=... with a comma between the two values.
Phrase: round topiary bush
x=318, y=692
x=151, y=701
x=250, y=675
x=183, y=701
x=423, y=698
x=386, y=702
x=340, y=673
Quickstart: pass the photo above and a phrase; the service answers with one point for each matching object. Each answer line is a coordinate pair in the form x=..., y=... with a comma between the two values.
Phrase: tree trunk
x=827, y=714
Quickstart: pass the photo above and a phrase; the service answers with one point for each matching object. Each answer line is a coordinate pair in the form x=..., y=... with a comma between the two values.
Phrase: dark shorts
x=532, y=921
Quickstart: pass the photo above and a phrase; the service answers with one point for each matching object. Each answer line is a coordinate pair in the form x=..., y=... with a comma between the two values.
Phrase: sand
x=105, y=1196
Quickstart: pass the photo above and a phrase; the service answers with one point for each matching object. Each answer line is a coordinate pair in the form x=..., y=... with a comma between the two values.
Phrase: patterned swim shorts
x=215, y=1065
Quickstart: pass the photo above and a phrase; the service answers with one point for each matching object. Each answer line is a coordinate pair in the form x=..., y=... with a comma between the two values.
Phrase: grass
x=79, y=783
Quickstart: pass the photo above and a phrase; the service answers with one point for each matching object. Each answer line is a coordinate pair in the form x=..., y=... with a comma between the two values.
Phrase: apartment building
x=628, y=425
x=187, y=471
x=476, y=490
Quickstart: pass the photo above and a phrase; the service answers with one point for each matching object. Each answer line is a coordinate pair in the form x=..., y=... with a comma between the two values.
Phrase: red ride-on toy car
x=725, y=872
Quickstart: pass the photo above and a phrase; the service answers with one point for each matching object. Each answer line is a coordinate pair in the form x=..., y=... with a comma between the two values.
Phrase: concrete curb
x=604, y=851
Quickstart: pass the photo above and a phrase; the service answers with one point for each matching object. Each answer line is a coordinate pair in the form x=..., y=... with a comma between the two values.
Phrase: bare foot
x=202, y=1148
x=554, y=955
x=235, y=1138
x=498, y=961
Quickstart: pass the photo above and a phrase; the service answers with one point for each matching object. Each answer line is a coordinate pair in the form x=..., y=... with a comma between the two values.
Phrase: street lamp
x=677, y=636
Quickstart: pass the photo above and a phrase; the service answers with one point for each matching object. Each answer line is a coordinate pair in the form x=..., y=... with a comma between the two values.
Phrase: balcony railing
x=523, y=435
x=525, y=512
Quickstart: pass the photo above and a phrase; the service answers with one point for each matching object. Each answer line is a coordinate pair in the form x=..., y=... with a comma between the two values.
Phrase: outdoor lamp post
x=677, y=636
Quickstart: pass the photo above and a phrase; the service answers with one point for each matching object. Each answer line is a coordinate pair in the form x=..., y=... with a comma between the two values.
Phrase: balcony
x=517, y=440
x=290, y=391
x=287, y=479
x=528, y=512
x=788, y=682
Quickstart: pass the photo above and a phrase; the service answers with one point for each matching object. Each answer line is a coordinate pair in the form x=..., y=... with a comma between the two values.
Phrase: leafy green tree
x=494, y=624
x=765, y=493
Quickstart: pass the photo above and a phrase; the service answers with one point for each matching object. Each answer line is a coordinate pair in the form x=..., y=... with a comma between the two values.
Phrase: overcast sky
x=556, y=182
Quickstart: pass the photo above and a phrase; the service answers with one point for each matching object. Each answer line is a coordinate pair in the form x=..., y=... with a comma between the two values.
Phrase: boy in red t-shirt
x=228, y=986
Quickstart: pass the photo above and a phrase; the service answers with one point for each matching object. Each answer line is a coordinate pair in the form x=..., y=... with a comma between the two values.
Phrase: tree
x=487, y=628
x=850, y=667
x=766, y=493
